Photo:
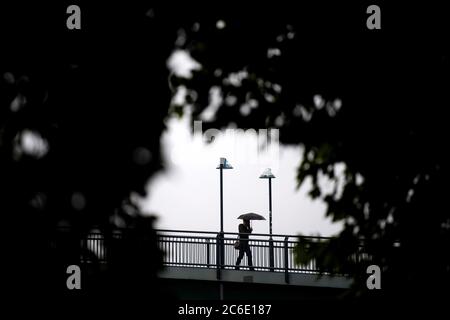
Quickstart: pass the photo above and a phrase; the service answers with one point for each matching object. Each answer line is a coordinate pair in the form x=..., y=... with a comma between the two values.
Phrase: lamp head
x=267, y=174
x=224, y=164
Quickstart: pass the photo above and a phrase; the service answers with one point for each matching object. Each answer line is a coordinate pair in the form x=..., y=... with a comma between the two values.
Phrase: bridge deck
x=260, y=277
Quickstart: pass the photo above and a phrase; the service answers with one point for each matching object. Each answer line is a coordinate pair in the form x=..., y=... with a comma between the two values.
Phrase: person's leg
x=239, y=258
x=249, y=257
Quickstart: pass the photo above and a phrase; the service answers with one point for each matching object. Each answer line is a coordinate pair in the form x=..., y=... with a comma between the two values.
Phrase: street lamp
x=267, y=174
x=223, y=165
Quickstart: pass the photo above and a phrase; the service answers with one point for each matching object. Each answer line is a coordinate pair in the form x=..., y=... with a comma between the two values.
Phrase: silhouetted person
x=244, y=247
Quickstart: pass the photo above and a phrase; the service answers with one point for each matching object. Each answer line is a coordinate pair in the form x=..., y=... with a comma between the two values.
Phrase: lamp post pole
x=221, y=245
x=271, y=253
x=267, y=174
x=221, y=197
x=270, y=207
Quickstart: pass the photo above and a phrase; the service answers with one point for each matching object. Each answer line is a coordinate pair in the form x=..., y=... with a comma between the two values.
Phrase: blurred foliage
x=81, y=116
x=369, y=111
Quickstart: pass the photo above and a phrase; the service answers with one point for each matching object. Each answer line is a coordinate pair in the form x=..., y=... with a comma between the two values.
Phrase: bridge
x=207, y=259
x=201, y=265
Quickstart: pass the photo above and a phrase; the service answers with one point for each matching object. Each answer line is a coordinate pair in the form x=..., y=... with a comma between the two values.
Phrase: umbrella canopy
x=251, y=216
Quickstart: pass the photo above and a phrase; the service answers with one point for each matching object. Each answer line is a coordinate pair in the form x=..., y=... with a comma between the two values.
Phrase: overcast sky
x=186, y=196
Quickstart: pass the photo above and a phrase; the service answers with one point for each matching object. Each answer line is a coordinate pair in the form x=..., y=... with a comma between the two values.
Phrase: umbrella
x=251, y=216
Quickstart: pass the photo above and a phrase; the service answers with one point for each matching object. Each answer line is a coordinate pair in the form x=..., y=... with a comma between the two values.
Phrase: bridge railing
x=216, y=250
x=203, y=249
